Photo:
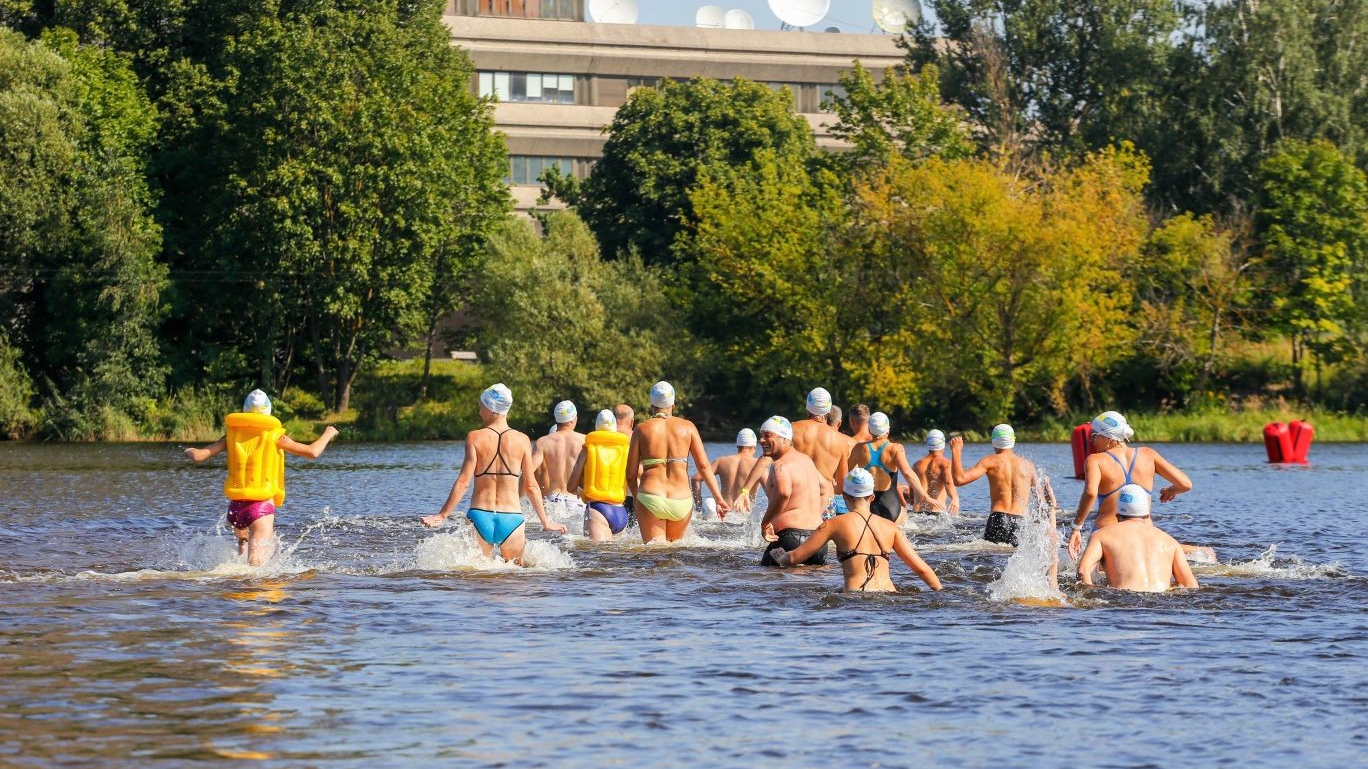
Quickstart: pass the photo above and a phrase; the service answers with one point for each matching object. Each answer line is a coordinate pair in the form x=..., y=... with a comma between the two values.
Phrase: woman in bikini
x=491, y=455
x=658, y=469
x=864, y=542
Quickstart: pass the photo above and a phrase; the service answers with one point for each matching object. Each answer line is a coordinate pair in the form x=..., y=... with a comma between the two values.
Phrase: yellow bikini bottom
x=666, y=508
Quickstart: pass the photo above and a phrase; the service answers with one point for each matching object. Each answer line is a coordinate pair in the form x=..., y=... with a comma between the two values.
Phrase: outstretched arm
x=458, y=488
x=700, y=457
x=903, y=547
x=810, y=547
x=1164, y=469
x=533, y=493
x=308, y=450
x=199, y=455
x=1091, y=557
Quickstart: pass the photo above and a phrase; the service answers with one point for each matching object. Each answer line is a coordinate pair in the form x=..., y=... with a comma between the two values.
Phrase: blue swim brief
x=495, y=528
x=836, y=507
x=615, y=515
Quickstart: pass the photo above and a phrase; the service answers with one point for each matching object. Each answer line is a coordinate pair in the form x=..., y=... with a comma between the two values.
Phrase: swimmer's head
x=709, y=508
x=1132, y=501
x=879, y=424
x=1004, y=437
x=605, y=421
x=662, y=395
x=858, y=483
x=819, y=402
x=775, y=428
x=498, y=399
x=834, y=417
x=565, y=411
x=859, y=415
x=1112, y=426
x=935, y=441
x=257, y=403
x=746, y=438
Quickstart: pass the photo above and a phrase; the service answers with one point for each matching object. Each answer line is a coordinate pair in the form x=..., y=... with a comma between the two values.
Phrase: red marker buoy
x=1288, y=443
x=1300, y=432
x=1082, y=447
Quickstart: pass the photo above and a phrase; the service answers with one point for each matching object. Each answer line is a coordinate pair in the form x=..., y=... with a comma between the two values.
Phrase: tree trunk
x=427, y=359
x=1296, y=368
x=320, y=371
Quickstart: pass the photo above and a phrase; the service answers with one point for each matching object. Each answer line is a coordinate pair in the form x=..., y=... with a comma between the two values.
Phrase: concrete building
x=560, y=79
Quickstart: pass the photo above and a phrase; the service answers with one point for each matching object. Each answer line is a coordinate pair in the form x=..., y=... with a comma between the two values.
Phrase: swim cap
x=819, y=402
x=1132, y=501
x=662, y=395
x=605, y=421
x=779, y=426
x=257, y=403
x=1004, y=437
x=859, y=483
x=746, y=437
x=709, y=507
x=498, y=398
x=1112, y=425
x=878, y=424
x=935, y=440
x=565, y=412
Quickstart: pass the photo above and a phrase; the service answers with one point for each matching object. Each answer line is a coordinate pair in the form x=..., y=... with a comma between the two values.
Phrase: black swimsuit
x=871, y=564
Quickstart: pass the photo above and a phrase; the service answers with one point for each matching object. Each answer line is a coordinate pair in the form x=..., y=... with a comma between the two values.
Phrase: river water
x=130, y=636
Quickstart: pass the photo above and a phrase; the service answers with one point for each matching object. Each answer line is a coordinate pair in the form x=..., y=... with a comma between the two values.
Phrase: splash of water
x=458, y=551
x=1268, y=564
x=1027, y=574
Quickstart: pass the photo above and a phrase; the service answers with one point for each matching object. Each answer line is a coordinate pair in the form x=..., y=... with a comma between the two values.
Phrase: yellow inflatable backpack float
x=256, y=466
x=605, y=467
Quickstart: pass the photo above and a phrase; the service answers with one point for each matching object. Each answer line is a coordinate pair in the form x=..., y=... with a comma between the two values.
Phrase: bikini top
x=1135, y=454
x=498, y=457
x=871, y=562
x=656, y=461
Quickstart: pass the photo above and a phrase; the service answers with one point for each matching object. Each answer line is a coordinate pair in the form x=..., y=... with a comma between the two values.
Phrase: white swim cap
x=859, y=483
x=1112, y=425
x=779, y=426
x=819, y=402
x=878, y=424
x=605, y=421
x=498, y=398
x=257, y=403
x=746, y=437
x=935, y=440
x=1132, y=501
x=1004, y=437
x=565, y=412
x=662, y=395
x=709, y=507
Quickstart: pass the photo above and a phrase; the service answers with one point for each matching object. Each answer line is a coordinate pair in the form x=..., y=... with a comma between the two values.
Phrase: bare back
x=732, y=471
x=794, y=483
x=864, y=534
x=1137, y=555
x=828, y=450
x=1111, y=468
x=559, y=451
x=662, y=447
x=1011, y=479
x=934, y=473
x=497, y=459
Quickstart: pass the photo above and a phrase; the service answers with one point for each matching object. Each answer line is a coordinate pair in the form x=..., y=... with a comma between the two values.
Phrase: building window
x=830, y=93
x=528, y=87
x=567, y=10
x=527, y=169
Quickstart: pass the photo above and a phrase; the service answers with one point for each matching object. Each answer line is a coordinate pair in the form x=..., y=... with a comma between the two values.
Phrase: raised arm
x=308, y=450
x=533, y=493
x=1092, y=476
x=903, y=547
x=458, y=488
x=1091, y=557
x=957, y=472
x=1164, y=469
x=199, y=455
x=810, y=547
x=1182, y=572
x=700, y=457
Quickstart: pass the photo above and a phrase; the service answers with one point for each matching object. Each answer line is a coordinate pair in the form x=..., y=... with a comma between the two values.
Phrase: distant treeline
x=1052, y=207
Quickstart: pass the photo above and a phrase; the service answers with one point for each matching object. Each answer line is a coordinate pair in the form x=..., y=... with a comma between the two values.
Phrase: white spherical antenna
x=710, y=16
x=894, y=15
x=613, y=11
x=800, y=13
x=738, y=19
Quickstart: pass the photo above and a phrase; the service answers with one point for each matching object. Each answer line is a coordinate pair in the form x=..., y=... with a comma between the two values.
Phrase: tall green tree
x=659, y=142
x=901, y=115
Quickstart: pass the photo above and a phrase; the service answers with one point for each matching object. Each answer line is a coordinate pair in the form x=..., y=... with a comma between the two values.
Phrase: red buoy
x=1082, y=447
x=1278, y=443
x=1301, y=432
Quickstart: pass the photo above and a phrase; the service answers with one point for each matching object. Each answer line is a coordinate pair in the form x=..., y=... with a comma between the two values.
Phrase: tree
x=659, y=142
x=902, y=115
x=1312, y=223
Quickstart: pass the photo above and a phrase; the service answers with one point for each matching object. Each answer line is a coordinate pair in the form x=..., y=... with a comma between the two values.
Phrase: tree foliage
x=900, y=116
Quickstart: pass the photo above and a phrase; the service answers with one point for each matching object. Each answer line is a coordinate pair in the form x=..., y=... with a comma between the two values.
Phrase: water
x=131, y=637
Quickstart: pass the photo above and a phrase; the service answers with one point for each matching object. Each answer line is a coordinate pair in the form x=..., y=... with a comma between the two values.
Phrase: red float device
x=1301, y=432
x=1288, y=443
x=1082, y=447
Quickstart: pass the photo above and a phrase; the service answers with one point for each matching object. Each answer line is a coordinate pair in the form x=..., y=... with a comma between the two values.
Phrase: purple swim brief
x=241, y=512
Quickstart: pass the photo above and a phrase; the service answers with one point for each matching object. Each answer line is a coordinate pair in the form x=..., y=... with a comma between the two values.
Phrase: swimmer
x=732, y=470
x=554, y=455
x=1117, y=465
x=626, y=418
x=793, y=486
x=833, y=420
x=600, y=478
x=495, y=511
x=1011, y=482
x=828, y=450
x=859, y=424
x=253, y=520
x=934, y=471
x=658, y=469
x=884, y=459
x=863, y=542
x=1135, y=554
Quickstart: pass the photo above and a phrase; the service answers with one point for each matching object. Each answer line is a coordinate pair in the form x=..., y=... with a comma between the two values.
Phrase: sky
x=849, y=15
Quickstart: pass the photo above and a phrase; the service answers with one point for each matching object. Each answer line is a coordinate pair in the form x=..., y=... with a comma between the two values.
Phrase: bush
x=17, y=419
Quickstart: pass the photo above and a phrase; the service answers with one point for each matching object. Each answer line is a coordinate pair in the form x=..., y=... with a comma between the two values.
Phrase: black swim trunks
x=1002, y=528
x=790, y=539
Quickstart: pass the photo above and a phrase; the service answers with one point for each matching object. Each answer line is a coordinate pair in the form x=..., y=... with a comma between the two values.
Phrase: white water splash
x=1269, y=565
x=1026, y=576
x=458, y=551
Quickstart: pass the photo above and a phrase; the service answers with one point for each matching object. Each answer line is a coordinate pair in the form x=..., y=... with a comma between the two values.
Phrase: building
x=560, y=79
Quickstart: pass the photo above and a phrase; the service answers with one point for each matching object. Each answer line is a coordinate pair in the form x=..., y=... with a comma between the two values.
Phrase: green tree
x=1312, y=223
x=637, y=196
x=901, y=115
x=16, y=394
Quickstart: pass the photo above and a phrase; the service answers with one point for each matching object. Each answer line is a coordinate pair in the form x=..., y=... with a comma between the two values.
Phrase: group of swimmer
x=822, y=485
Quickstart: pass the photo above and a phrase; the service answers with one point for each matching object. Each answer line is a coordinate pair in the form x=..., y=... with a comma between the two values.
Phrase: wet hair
x=623, y=411
x=860, y=414
x=834, y=416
